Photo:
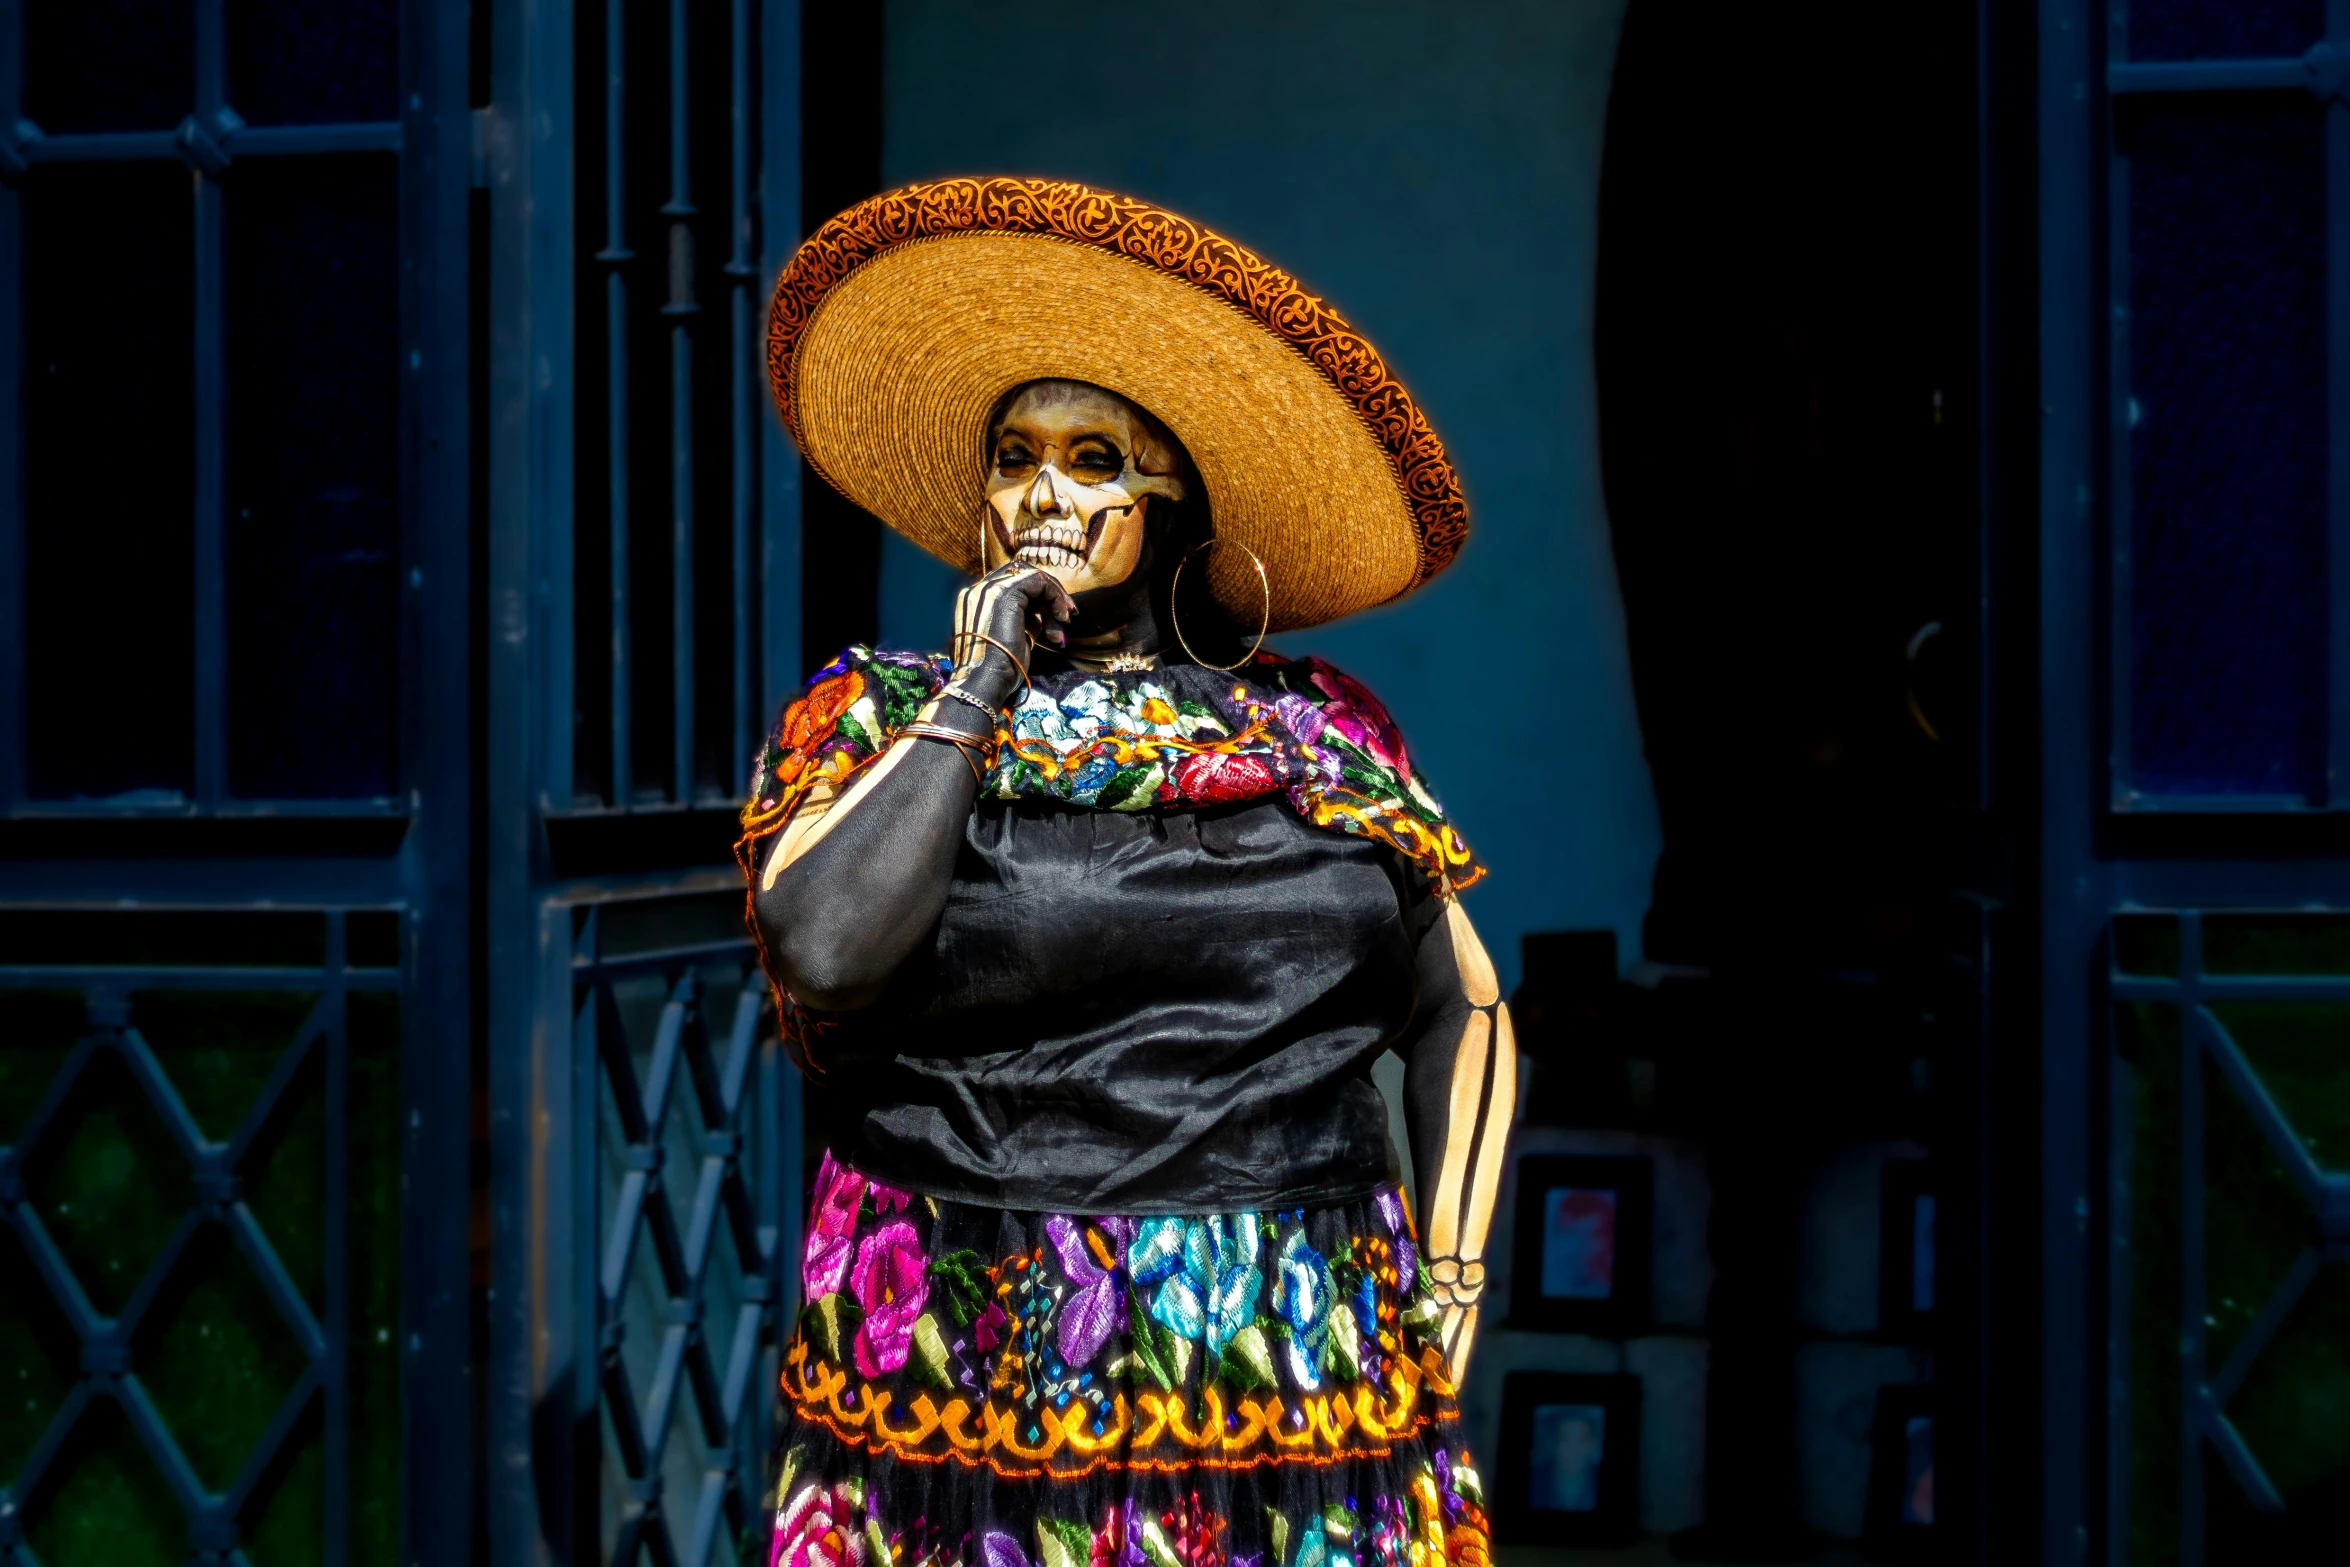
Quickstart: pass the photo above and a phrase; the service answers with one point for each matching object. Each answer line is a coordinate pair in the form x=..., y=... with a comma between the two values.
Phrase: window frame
x=209, y=141
x=410, y=850
x=2321, y=72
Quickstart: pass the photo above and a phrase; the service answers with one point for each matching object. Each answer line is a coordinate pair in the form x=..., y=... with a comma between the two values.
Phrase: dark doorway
x=1787, y=352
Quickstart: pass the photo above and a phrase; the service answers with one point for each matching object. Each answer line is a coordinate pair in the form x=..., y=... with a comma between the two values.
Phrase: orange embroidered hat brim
x=898, y=326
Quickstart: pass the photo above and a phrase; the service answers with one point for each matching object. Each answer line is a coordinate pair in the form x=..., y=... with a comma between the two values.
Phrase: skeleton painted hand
x=996, y=618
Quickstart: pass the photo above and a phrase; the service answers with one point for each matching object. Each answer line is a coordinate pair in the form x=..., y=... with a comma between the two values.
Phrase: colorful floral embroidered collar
x=1175, y=738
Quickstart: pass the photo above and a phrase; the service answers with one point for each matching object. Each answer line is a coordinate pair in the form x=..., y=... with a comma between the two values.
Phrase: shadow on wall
x=1435, y=172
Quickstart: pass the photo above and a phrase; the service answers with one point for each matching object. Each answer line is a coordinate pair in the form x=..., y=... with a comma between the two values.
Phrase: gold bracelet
x=970, y=745
x=938, y=731
x=1017, y=663
x=978, y=779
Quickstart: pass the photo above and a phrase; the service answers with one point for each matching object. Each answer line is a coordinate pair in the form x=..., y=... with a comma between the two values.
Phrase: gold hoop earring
x=1263, y=581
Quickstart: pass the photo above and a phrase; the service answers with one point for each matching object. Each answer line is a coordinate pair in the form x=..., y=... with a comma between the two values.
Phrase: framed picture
x=1901, y=1471
x=1580, y=1259
x=1905, y=1270
x=1570, y=1460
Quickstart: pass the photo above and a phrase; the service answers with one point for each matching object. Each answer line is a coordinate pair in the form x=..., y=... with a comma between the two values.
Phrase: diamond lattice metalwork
x=2217, y=1088
x=687, y=1286
x=112, y=1147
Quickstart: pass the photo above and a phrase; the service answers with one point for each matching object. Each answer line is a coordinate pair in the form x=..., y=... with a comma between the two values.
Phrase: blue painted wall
x=1433, y=170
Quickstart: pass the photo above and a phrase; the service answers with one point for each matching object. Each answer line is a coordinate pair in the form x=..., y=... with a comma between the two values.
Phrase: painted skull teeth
x=1051, y=545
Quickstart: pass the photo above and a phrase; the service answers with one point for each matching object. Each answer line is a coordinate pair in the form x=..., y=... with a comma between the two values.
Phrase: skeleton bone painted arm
x=1460, y=1090
x=858, y=876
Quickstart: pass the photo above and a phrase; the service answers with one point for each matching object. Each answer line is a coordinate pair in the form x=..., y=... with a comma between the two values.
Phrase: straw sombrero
x=900, y=323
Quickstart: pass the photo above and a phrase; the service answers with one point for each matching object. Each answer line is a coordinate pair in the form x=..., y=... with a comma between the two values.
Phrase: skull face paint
x=1071, y=473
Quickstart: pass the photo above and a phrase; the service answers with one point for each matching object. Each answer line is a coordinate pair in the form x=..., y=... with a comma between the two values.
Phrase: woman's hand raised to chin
x=997, y=619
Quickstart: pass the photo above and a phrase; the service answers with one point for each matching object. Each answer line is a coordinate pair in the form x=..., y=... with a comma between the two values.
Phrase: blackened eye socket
x=1014, y=457
x=1096, y=461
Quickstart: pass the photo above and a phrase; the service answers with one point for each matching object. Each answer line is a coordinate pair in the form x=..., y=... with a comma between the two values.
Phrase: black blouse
x=1162, y=1012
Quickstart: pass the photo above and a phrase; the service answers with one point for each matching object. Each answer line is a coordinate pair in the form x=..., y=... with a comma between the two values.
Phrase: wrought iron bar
x=628, y=1096
x=681, y=550
x=742, y=1352
x=627, y=1421
x=709, y=1401
x=12, y=487
x=186, y=1136
x=661, y=959
x=2122, y=1264
x=125, y=883
x=36, y=1463
x=661, y=1396
x=2189, y=76
x=67, y=976
x=660, y=1223
x=709, y=1512
x=2235, y=987
x=306, y=141
x=125, y=1324
x=2121, y=582
x=701, y=1225
x=615, y=256
x=241, y=141
x=2236, y=1454
x=668, y=1042
x=710, y=1100
x=99, y=147
x=2264, y=1325
x=56, y=1275
x=781, y=1205
x=596, y=1342
x=635, y=1187
x=742, y=1042
x=2254, y=1096
x=131, y=1397
x=542, y=314
x=334, y=1349
x=278, y=1284
x=743, y=391
x=263, y=1457
x=778, y=229
x=2337, y=251
x=680, y=311
x=211, y=454
x=2192, y=1175
x=290, y=1063
x=378, y=809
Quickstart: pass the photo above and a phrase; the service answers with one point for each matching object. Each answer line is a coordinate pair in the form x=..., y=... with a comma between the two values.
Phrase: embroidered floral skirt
x=972, y=1387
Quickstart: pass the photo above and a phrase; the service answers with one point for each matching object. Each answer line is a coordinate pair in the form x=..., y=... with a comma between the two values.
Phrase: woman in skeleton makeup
x=1090, y=926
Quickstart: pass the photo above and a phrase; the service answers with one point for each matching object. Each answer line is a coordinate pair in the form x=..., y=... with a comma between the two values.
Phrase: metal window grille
x=212, y=142
x=216, y=115
x=2162, y=115
x=2194, y=1105
x=643, y=552
x=125, y=1325
x=673, y=637
x=677, y=1230
x=643, y=577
